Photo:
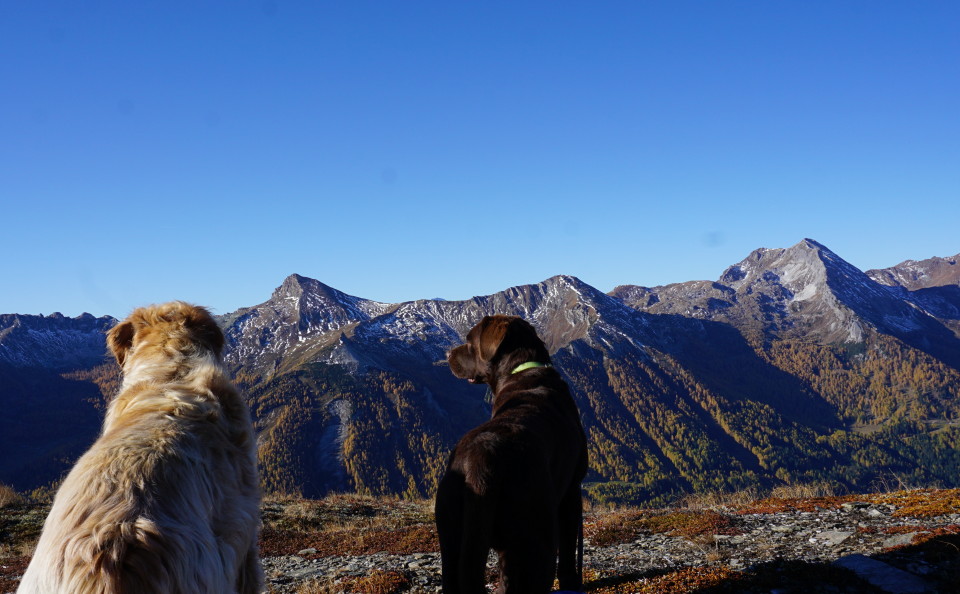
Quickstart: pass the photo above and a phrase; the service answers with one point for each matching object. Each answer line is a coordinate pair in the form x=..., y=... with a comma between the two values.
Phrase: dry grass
x=715, y=500
x=9, y=497
x=751, y=495
x=348, y=525
x=625, y=526
x=773, y=505
x=320, y=586
x=922, y=503
x=616, y=527
x=350, y=541
x=914, y=503
x=11, y=568
x=775, y=576
x=20, y=527
x=805, y=491
x=344, y=510
x=684, y=581
x=378, y=582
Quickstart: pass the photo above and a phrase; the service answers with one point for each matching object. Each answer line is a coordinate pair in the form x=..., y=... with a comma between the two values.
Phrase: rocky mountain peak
x=309, y=293
x=293, y=286
x=807, y=270
x=300, y=310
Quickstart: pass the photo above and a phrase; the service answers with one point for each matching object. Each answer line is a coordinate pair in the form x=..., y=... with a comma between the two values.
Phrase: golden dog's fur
x=167, y=499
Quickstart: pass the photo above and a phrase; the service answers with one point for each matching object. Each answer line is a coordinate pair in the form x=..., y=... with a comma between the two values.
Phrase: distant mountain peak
x=799, y=268
x=804, y=290
x=813, y=244
x=566, y=279
x=296, y=286
x=299, y=310
x=924, y=274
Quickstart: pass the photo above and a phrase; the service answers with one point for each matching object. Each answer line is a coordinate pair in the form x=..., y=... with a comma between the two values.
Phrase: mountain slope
x=932, y=284
x=871, y=350
x=792, y=367
x=663, y=412
x=51, y=372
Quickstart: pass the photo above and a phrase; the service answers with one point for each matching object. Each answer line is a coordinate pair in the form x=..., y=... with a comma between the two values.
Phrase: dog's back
x=139, y=513
x=166, y=500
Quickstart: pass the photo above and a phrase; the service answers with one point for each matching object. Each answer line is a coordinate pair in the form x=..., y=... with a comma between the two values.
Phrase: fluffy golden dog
x=167, y=498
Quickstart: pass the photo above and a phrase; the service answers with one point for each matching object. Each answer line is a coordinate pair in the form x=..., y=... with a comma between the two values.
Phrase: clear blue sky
x=402, y=150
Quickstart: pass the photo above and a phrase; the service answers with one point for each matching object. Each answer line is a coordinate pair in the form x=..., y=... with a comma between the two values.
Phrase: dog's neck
x=198, y=369
x=147, y=381
x=513, y=364
x=158, y=364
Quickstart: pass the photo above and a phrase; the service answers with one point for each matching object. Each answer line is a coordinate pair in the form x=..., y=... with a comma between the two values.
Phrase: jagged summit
x=306, y=320
x=310, y=294
x=296, y=286
x=299, y=311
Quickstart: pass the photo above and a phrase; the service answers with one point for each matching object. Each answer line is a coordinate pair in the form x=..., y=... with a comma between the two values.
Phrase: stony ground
x=902, y=542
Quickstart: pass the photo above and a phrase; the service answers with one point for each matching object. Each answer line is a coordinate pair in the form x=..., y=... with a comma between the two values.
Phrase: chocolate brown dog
x=513, y=483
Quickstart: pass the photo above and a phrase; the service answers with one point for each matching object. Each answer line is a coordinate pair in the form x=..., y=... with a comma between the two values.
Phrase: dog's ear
x=120, y=340
x=509, y=332
x=493, y=329
x=519, y=333
x=204, y=329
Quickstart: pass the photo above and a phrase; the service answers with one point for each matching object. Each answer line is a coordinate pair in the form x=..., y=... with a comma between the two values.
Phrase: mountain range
x=793, y=367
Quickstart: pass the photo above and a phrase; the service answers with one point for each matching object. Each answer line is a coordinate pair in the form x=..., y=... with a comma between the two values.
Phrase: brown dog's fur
x=167, y=499
x=513, y=483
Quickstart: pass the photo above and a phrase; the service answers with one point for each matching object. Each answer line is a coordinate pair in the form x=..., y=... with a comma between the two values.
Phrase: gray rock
x=855, y=506
x=899, y=540
x=833, y=538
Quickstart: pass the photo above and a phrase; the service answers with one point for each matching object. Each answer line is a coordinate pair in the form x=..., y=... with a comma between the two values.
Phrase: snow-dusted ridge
x=305, y=320
x=805, y=290
x=54, y=341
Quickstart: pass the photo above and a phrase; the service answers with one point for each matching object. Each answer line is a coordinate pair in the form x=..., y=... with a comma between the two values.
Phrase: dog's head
x=497, y=343
x=174, y=328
